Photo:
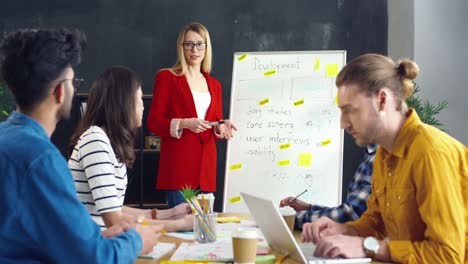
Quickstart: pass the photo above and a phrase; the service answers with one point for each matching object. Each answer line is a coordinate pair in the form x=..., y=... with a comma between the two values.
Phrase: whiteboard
x=289, y=137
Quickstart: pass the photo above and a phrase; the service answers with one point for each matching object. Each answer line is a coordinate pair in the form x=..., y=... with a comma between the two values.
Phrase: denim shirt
x=359, y=190
x=41, y=219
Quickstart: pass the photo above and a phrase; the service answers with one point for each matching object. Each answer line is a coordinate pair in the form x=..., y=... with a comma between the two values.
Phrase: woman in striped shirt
x=102, y=148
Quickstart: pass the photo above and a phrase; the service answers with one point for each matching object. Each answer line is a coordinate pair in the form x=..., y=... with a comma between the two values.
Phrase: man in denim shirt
x=359, y=190
x=41, y=219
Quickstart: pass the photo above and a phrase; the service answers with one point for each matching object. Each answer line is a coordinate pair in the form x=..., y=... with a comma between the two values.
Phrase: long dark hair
x=111, y=106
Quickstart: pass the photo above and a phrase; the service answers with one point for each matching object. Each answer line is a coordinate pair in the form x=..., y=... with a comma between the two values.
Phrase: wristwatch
x=371, y=246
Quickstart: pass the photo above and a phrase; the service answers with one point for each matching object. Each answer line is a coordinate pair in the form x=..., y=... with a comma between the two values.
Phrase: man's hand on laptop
x=322, y=227
x=340, y=246
x=297, y=204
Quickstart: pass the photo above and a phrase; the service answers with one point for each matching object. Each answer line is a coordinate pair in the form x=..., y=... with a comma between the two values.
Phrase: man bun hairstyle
x=408, y=71
x=371, y=72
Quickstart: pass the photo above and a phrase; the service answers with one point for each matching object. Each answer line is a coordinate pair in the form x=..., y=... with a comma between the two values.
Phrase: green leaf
x=425, y=109
x=188, y=193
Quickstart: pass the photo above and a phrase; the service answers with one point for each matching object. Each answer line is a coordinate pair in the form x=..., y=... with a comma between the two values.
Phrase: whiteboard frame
x=339, y=52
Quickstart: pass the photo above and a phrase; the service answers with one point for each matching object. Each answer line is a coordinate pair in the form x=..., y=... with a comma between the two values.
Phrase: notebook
x=278, y=235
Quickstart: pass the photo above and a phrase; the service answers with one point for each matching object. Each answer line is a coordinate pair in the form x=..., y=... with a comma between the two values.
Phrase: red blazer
x=190, y=160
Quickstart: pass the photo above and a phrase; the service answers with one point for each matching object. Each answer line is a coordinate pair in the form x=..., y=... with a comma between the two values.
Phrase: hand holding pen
x=295, y=203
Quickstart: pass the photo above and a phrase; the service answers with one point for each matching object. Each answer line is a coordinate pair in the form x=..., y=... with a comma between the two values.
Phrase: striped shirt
x=100, y=179
x=359, y=190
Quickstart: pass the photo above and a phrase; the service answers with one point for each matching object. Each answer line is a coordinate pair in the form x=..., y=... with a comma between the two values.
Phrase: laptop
x=280, y=238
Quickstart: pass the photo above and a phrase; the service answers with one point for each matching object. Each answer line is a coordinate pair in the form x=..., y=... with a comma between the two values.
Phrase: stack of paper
x=160, y=250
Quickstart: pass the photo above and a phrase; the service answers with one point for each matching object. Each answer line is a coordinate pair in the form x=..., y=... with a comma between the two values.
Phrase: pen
x=205, y=205
x=297, y=196
x=215, y=123
x=280, y=259
x=143, y=222
x=146, y=223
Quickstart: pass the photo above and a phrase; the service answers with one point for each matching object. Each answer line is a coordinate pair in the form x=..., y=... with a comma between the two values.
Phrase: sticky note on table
x=235, y=199
x=331, y=70
x=269, y=73
x=325, y=142
x=283, y=162
x=305, y=159
x=285, y=146
x=242, y=57
x=298, y=102
x=317, y=64
x=231, y=219
x=235, y=166
x=264, y=258
x=264, y=101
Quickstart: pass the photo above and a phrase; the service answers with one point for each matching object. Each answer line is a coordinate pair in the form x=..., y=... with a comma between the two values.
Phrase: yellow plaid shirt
x=419, y=196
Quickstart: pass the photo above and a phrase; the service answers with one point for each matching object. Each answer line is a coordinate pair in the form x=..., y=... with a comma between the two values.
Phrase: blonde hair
x=180, y=68
x=371, y=72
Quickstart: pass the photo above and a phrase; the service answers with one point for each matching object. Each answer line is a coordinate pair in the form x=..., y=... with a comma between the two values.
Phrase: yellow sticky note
x=317, y=64
x=236, y=166
x=242, y=57
x=235, y=199
x=331, y=70
x=299, y=102
x=305, y=159
x=264, y=101
x=285, y=146
x=269, y=73
x=325, y=142
x=283, y=162
x=335, y=100
x=232, y=219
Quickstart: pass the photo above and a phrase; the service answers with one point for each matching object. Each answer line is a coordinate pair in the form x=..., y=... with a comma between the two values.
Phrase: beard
x=369, y=134
x=361, y=142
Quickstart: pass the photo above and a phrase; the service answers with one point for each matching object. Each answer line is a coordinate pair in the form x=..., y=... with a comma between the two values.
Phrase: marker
x=146, y=223
x=297, y=196
x=143, y=222
x=215, y=123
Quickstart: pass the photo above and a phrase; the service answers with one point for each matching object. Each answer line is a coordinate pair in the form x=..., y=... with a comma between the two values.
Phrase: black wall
x=141, y=34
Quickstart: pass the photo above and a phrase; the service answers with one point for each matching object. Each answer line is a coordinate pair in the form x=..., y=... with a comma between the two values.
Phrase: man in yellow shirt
x=417, y=212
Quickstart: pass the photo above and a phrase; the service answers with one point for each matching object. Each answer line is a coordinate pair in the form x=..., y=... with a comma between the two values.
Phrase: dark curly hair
x=32, y=58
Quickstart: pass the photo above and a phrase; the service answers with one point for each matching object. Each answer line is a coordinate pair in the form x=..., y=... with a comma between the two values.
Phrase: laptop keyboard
x=308, y=250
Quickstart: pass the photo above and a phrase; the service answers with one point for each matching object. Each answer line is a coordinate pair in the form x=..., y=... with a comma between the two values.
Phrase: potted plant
x=427, y=110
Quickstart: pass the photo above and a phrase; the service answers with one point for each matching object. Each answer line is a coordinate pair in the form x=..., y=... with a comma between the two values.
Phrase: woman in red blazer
x=185, y=99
